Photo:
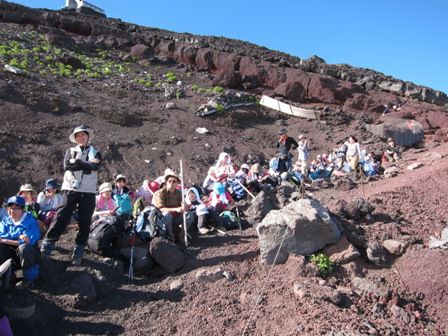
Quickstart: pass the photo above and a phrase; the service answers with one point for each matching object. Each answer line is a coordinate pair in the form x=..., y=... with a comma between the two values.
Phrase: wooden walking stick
x=245, y=188
x=182, y=204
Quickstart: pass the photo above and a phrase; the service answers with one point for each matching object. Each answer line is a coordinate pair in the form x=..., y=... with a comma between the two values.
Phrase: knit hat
x=80, y=129
x=106, y=186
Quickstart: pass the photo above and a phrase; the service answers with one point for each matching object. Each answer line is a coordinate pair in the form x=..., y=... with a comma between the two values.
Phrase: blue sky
x=402, y=38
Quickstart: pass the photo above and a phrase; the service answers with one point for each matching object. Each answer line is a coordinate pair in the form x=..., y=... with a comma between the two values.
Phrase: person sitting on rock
x=220, y=199
x=243, y=173
x=206, y=218
x=3, y=211
x=121, y=187
x=49, y=201
x=284, y=144
x=168, y=199
x=146, y=191
x=28, y=193
x=105, y=204
x=391, y=154
x=220, y=171
x=19, y=234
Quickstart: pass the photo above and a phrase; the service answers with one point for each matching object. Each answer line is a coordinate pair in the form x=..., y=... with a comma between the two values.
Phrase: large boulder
x=167, y=254
x=304, y=225
x=259, y=208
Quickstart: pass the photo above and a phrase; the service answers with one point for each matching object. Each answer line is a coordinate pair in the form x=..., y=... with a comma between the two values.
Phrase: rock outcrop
x=300, y=228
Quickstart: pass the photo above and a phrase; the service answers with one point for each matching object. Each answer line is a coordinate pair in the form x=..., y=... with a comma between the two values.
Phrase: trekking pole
x=183, y=199
x=238, y=215
x=244, y=188
x=131, y=262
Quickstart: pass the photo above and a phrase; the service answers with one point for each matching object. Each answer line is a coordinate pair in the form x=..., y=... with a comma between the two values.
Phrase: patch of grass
x=323, y=262
x=170, y=77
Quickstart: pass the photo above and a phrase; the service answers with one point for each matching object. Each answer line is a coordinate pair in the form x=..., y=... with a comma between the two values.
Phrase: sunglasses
x=172, y=181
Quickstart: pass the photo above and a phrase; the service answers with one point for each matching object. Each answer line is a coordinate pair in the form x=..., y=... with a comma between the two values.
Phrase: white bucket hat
x=79, y=129
x=106, y=186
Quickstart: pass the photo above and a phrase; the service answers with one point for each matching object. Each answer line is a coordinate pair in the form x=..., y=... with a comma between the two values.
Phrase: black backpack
x=150, y=224
x=103, y=233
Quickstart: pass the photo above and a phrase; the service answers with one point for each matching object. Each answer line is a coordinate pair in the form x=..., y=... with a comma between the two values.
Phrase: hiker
x=105, y=204
x=273, y=166
x=81, y=164
x=220, y=199
x=19, y=233
x=219, y=172
x=121, y=187
x=28, y=193
x=206, y=218
x=146, y=191
x=391, y=154
x=303, y=149
x=353, y=152
x=49, y=201
x=243, y=173
x=168, y=199
x=284, y=145
x=3, y=212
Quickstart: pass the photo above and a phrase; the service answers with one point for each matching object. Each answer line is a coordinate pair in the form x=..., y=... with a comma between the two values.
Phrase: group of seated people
x=202, y=205
x=342, y=160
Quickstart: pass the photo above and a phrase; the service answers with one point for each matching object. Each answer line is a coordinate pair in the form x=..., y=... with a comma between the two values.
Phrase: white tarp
x=288, y=109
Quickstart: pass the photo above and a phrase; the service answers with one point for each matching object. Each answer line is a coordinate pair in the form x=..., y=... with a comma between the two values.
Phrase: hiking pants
x=24, y=255
x=210, y=219
x=85, y=203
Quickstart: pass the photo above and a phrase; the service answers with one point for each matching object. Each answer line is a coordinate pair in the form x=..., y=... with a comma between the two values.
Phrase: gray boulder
x=305, y=225
x=377, y=254
x=260, y=206
x=167, y=254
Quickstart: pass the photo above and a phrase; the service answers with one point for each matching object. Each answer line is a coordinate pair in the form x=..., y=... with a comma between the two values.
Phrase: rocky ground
x=73, y=77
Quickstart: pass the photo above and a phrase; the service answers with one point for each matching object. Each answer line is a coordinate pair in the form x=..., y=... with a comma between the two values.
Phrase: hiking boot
x=24, y=284
x=77, y=255
x=204, y=230
x=76, y=261
x=46, y=248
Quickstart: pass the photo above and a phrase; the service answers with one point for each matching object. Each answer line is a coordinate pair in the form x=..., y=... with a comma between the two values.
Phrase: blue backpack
x=124, y=204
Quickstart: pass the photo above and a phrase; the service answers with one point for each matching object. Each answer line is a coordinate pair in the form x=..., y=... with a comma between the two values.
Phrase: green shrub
x=323, y=262
x=219, y=107
x=170, y=77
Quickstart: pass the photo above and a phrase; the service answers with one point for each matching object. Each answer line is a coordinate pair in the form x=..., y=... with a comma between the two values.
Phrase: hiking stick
x=131, y=263
x=244, y=188
x=239, y=218
x=183, y=200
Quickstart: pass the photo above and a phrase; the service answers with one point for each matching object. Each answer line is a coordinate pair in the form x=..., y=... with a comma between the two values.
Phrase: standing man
x=81, y=164
x=19, y=233
x=284, y=145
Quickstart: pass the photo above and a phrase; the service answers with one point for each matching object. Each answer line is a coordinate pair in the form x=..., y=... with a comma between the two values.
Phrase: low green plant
x=219, y=107
x=170, y=77
x=323, y=262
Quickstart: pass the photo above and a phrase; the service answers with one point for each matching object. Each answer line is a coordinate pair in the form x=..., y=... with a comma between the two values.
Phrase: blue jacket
x=27, y=226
